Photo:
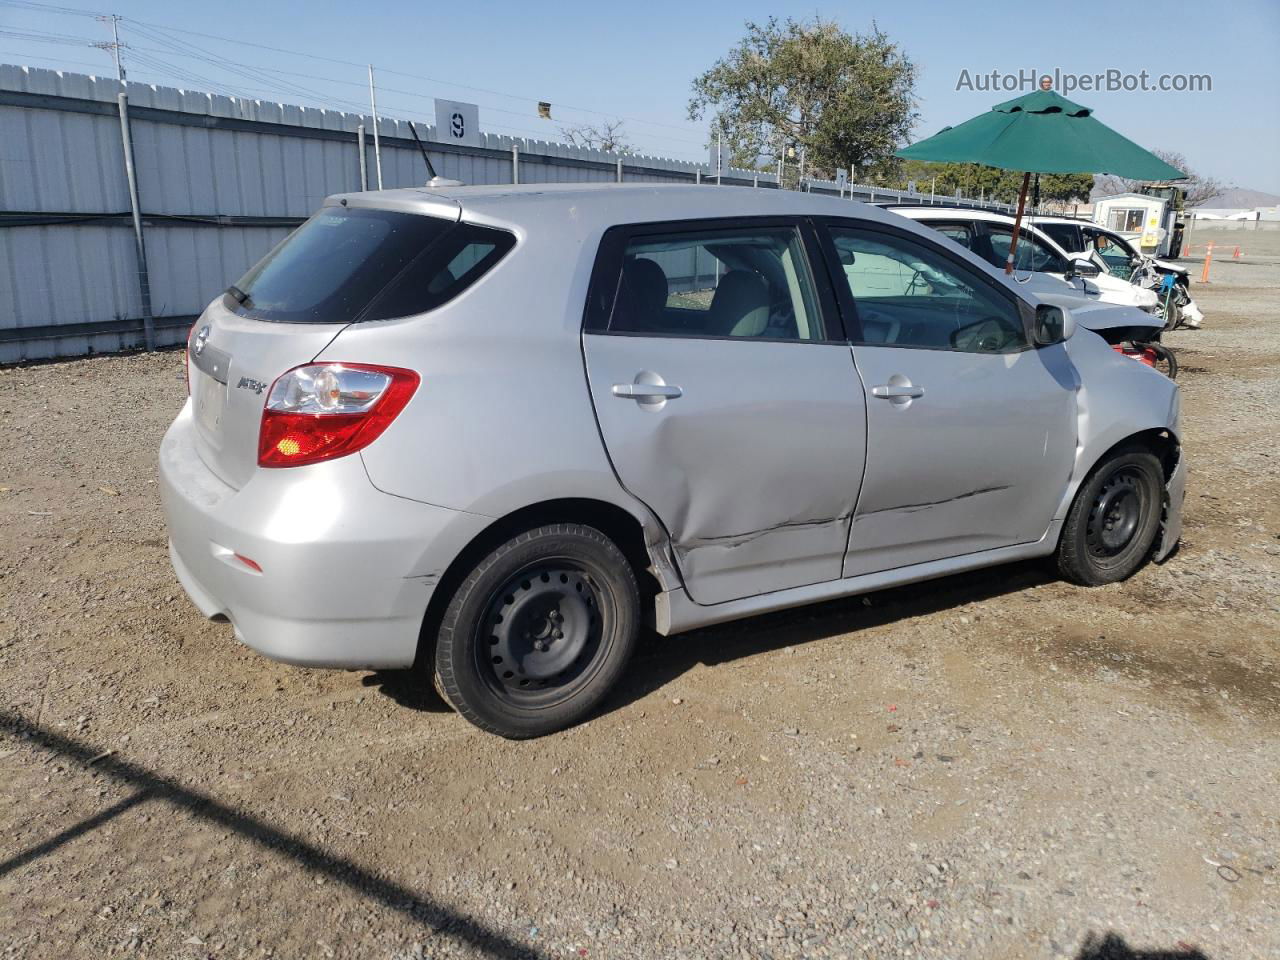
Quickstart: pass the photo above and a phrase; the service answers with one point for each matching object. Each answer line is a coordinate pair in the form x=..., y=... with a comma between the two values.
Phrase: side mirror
x=1053, y=325
x=1083, y=268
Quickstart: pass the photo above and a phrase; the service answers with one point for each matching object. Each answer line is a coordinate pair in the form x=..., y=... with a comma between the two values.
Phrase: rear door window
x=351, y=264
x=1065, y=235
x=750, y=282
x=961, y=233
x=1032, y=253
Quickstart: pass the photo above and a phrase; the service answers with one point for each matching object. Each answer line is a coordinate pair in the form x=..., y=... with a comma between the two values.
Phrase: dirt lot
x=996, y=765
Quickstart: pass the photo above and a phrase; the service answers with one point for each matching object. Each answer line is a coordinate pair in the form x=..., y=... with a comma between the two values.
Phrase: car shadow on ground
x=1113, y=947
x=408, y=688
x=661, y=660
x=149, y=786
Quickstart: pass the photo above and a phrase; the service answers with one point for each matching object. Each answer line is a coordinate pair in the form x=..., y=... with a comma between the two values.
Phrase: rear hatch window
x=346, y=265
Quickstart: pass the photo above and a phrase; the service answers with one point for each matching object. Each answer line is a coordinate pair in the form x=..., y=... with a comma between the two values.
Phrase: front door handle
x=647, y=391
x=892, y=391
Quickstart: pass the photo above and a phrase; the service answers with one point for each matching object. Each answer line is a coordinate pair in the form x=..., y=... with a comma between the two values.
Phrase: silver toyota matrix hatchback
x=494, y=431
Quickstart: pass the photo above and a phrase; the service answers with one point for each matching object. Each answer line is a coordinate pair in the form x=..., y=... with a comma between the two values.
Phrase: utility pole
x=377, y=145
x=115, y=45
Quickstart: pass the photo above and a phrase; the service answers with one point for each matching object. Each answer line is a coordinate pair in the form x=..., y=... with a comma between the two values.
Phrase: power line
x=271, y=76
x=241, y=42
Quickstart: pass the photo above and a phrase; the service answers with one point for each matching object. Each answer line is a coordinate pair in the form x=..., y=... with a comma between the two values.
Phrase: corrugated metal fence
x=220, y=181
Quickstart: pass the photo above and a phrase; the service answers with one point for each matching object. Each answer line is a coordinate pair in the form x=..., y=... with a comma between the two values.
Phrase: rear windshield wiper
x=238, y=295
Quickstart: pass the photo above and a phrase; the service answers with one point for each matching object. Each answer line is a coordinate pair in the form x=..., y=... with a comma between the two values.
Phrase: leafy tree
x=810, y=89
x=608, y=136
x=1197, y=188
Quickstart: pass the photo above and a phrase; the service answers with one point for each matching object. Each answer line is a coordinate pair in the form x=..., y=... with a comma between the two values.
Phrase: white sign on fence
x=842, y=177
x=717, y=161
x=458, y=123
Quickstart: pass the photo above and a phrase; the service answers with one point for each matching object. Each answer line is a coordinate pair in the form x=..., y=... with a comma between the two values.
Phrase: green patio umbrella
x=1041, y=132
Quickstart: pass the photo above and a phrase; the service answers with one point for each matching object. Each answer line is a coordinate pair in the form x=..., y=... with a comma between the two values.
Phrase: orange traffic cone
x=1236, y=254
x=1208, y=258
x=1186, y=249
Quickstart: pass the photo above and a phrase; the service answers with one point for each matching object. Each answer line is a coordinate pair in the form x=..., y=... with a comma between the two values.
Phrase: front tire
x=539, y=632
x=1112, y=525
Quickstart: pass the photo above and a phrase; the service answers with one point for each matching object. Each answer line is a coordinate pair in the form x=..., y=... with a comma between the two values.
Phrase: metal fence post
x=619, y=169
x=131, y=174
x=364, y=161
x=515, y=164
x=697, y=176
x=377, y=142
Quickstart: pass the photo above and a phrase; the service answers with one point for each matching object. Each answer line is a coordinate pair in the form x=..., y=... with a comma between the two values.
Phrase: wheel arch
x=644, y=551
x=1161, y=440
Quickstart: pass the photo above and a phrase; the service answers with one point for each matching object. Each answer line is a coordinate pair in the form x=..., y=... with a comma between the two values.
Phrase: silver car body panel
x=948, y=483
x=742, y=508
x=744, y=516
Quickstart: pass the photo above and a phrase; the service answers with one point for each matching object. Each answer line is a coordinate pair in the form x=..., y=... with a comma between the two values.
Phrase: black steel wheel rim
x=543, y=634
x=1116, y=514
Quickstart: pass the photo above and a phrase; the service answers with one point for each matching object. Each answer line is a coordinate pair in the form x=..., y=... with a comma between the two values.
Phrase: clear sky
x=636, y=60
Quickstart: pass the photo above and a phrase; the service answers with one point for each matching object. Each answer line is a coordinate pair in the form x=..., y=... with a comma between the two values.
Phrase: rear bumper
x=347, y=571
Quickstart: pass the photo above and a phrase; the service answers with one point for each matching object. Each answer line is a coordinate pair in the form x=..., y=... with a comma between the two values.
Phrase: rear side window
x=1065, y=235
x=1032, y=253
x=346, y=265
x=961, y=233
x=750, y=283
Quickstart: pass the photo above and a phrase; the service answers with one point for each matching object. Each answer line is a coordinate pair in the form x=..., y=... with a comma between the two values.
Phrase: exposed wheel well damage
x=1164, y=444
x=1160, y=441
x=613, y=521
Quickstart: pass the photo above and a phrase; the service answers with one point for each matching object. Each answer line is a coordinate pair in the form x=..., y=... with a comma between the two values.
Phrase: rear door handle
x=647, y=391
x=886, y=392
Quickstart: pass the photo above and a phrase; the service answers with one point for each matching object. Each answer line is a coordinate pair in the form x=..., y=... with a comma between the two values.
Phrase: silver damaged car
x=494, y=432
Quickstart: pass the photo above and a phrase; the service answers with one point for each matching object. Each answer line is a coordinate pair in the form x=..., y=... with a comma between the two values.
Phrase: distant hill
x=1233, y=198
x=1238, y=197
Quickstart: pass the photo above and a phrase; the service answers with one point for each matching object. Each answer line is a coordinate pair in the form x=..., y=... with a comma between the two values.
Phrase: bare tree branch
x=609, y=136
x=1197, y=188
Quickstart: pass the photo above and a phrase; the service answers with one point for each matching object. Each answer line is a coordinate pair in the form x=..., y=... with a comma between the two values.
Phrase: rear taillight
x=325, y=410
x=1141, y=354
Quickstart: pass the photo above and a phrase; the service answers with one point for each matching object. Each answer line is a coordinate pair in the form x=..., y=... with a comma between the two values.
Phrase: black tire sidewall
x=456, y=661
x=1075, y=559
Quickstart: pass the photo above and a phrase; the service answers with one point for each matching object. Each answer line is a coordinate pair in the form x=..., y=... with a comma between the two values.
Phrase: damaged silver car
x=495, y=431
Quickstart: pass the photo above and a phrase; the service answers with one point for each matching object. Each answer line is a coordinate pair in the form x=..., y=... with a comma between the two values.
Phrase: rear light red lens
x=1141, y=354
x=322, y=411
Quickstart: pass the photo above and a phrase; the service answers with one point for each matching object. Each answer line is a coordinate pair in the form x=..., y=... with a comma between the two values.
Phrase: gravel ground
x=995, y=765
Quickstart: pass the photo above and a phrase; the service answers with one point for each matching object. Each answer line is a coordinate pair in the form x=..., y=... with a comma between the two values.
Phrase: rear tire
x=1112, y=525
x=539, y=632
